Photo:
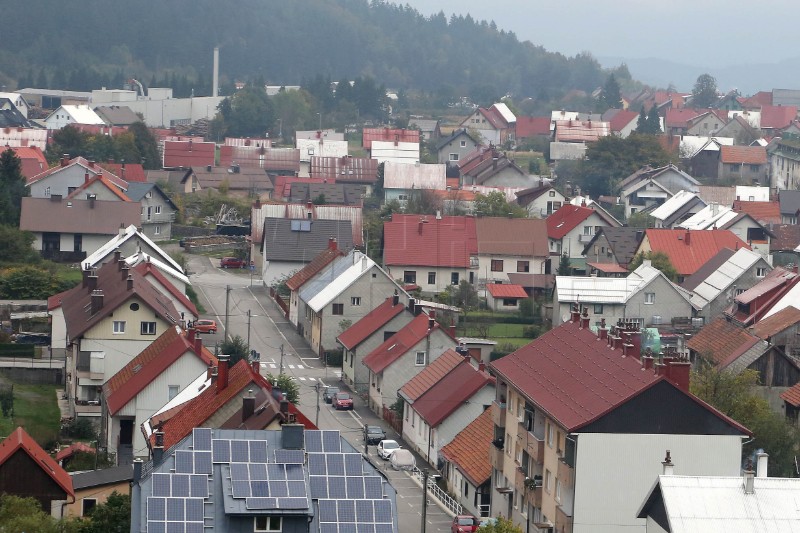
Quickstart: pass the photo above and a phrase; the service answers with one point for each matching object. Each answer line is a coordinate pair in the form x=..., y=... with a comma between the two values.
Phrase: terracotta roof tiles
x=450, y=392
x=792, y=395
x=20, y=440
x=743, y=155
x=722, y=342
x=469, y=449
x=763, y=212
x=772, y=325
x=429, y=241
x=399, y=343
x=506, y=290
x=566, y=219
x=370, y=323
x=434, y=372
x=688, y=257
x=310, y=270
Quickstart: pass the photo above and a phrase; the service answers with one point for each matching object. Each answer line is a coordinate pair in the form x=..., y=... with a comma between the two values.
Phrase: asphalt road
x=268, y=330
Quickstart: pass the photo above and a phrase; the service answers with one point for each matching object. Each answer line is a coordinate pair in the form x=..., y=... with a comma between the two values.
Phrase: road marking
x=355, y=416
x=311, y=379
x=291, y=366
x=273, y=365
x=300, y=367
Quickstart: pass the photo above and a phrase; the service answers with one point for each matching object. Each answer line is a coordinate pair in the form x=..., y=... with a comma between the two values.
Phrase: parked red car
x=342, y=400
x=464, y=524
x=231, y=262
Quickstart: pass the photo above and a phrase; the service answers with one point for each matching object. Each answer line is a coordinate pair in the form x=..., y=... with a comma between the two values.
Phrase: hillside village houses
x=504, y=441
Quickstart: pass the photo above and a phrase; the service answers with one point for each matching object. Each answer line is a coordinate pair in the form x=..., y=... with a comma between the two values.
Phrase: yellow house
x=93, y=487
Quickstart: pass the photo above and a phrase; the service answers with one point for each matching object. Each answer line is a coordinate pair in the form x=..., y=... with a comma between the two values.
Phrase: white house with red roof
x=441, y=400
x=504, y=297
x=581, y=424
x=571, y=227
x=147, y=382
x=511, y=245
x=402, y=356
x=365, y=335
x=431, y=252
x=496, y=124
x=68, y=176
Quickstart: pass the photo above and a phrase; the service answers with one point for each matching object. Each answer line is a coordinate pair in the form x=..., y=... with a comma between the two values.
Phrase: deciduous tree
x=658, y=260
x=704, y=92
x=494, y=204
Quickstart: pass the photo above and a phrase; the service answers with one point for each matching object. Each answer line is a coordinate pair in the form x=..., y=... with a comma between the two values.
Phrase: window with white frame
x=649, y=297
x=548, y=481
x=558, y=490
x=355, y=300
x=420, y=358
x=119, y=327
x=158, y=210
x=550, y=432
x=158, y=230
x=269, y=524
x=453, y=157
x=761, y=272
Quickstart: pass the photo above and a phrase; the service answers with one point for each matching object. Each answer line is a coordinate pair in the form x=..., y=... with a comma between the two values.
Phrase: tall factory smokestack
x=215, y=87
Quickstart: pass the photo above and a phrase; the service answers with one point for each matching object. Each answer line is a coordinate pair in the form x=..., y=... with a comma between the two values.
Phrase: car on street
x=387, y=447
x=374, y=434
x=205, y=326
x=328, y=393
x=464, y=523
x=231, y=262
x=342, y=400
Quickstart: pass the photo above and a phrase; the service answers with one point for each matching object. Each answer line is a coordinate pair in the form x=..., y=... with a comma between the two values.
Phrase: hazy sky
x=711, y=33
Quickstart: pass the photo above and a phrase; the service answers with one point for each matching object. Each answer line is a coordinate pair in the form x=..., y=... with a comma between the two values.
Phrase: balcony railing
x=499, y=414
x=583, y=239
x=565, y=473
x=533, y=445
x=496, y=457
x=534, y=496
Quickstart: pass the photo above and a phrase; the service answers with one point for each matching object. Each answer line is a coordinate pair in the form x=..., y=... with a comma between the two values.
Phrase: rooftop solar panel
x=156, y=508
x=161, y=485
x=241, y=489
x=276, y=471
x=297, y=489
x=279, y=489
x=156, y=527
x=240, y=471
x=318, y=486
x=261, y=503
x=221, y=451
x=184, y=461
x=240, y=451
x=295, y=472
x=258, y=451
x=258, y=471
x=290, y=456
x=198, y=487
x=313, y=441
x=180, y=485
x=261, y=489
x=176, y=509
x=331, y=441
x=202, y=462
x=292, y=503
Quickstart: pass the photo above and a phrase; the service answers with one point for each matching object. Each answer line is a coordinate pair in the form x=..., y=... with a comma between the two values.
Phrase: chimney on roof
x=121, y=231
x=129, y=282
x=668, y=466
x=331, y=243
x=575, y=314
x=117, y=254
x=687, y=238
x=585, y=319
x=453, y=330
x=395, y=298
x=86, y=177
x=211, y=371
x=481, y=367
x=91, y=281
x=190, y=333
x=248, y=405
x=85, y=274
x=158, y=448
x=749, y=476
x=647, y=362
x=256, y=365
x=678, y=372
x=602, y=331
x=137, y=470
x=431, y=322
x=96, y=301
x=636, y=343
x=198, y=343
x=761, y=464
x=64, y=160
x=222, y=377
x=91, y=164
x=417, y=309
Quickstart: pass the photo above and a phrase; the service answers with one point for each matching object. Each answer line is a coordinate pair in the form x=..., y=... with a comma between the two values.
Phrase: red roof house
x=388, y=135
x=689, y=250
x=528, y=127
x=127, y=171
x=763, y=212
x=467, y=452
x=188, y=154
x=775, y=118
x=566, y=219
x=32, y=159
x=26, y=470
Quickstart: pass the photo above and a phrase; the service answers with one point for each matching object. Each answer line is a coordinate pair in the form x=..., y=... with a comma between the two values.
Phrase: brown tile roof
x=41, y=215
x=451, y=392
x=722, y=342
x=776, y=323
x=370, y=323
x=111, y=280
x=419, y=384
x=140, y=371
x=743, y=155
x=512, y=236
x=786, y=237
x=20, y=440
x=792, y=395
x=310, y=270
x=469, y=449
x=763, y=212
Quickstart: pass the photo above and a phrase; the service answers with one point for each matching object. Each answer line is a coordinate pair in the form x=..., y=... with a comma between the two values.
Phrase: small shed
x=504, y=297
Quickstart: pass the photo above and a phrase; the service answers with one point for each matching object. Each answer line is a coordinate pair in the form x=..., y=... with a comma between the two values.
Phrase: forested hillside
x=82, y=43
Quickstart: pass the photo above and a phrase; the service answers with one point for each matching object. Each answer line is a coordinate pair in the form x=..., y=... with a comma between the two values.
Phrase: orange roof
x=431, y=375
x=776, y=323
x=311, y=269
x=130, y=172
x=792, y=395
x=743, y=155
x=722, y=342
x=506, y=290
x=20, y=440
x=687, y=256
x=763, y=212
x=106, y=182
x=469, y=449
x=72, y=449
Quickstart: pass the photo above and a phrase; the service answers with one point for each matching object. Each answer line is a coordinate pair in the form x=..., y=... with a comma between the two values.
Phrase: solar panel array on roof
x=339, y=516
x=290, y=456
x=323, y=441
x=168, y=515
x=346, y=487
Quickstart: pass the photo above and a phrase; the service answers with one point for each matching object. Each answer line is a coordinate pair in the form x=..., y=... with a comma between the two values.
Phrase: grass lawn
x=36, y=410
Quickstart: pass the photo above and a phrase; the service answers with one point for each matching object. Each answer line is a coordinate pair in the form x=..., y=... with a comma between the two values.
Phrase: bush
x=531, y=332
x=7, y=401
x=80, y=428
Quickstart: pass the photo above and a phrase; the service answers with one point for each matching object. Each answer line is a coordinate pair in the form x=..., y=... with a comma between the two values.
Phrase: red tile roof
x=90, y=166
x=783, y=319
x=506, y=290
x=147, y=269
x=72, y=449
x=131, y=171
x=370, y=323
x=140, y=371
x=792, y=395
x=33, y=160
x=566, y=219
x=398, y=344
x=579, y=131
x=722, y=342
x=196, y=411
x=432, y=374
x=532, y=126
x=702, y=246
x=449, y=393
x=743, y=155
x=608, y=268
x=679, y=118
x=777, y=117
x=189, y=154
x=761, y=98
x=576, y=379
x=525, y=237
x=389, y=135
x=622, y=118
x=322, y=260
x=100, y=178
x=20, y=440
x=469, y=449
x=422, y=240
x=763, y=212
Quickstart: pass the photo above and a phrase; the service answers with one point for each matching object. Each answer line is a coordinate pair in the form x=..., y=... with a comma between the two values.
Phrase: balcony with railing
x=584, y=238
x=565, y=473
x=534, y=494
x=534, y=446
x=496, y=455
x=563, y=520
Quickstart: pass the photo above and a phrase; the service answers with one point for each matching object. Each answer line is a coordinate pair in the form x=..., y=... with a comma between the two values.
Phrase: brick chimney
x=64, y=160
x=575, y=314
x=222, y=373
x=687, y=238
x=96, y=301
x=331, y=243
x=248, y=405
x=677, y=372
x=91, y=281
x=395, y=298
x=129, y=282
x=190, y=335
x=481, y=367
x=585, y=319
x=256, y=365
x=86, y=177
x=198, y=343
x=602, y=331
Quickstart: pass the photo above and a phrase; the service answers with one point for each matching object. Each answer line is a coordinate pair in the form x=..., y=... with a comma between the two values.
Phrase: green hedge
x=17, y=350
x=500, y=319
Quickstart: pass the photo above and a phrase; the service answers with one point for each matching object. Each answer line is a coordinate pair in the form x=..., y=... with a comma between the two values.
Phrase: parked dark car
x=328, y=393
x=231, y=262
x=342, y=400
x=374, y=434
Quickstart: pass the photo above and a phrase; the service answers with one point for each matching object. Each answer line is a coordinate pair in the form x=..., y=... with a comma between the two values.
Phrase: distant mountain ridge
x=286, y=42
x=748, y=79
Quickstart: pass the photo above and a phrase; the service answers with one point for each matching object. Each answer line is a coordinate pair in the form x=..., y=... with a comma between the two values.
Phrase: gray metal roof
x=302, y=240
x=105, y=476
x=723, y=277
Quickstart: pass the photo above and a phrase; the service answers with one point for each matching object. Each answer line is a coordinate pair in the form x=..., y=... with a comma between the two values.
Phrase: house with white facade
x=677, y=209
x=571, y=228
x=401, y=180
x=649, y=187
x=66, y=115
x=145, y=383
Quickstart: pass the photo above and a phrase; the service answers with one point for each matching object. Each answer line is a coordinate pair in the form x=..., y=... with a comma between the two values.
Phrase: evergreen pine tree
x=611, y=96
x=641, y=124
x=653, y=121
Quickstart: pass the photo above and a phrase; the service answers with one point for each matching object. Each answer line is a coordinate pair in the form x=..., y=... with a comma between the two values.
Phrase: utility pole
x=424, y=498
x=316, y=420
x=227, y=304
x=281, y=371
x=248, y=331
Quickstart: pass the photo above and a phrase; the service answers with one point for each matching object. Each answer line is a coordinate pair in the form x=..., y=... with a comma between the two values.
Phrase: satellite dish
x=565, y=317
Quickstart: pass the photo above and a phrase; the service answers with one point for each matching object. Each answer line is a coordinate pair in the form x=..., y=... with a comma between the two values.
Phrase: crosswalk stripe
x=273, y=365
x=311, y=379
x=300, y=367
x=302, y=379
